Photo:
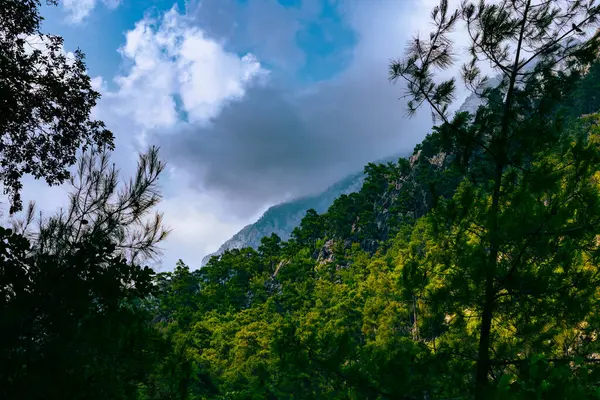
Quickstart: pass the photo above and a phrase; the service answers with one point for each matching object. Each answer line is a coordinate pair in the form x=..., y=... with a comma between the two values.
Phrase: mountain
x=281, y=219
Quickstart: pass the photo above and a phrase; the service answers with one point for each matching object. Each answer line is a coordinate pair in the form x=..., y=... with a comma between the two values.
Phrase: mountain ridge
x=282, y=218
x=293, y=211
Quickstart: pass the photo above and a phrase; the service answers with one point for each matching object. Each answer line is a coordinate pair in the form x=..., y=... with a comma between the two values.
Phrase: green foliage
x=72, y=324
x=384, y=295
x=520, y=127
x=469, y=270
x=46, y=98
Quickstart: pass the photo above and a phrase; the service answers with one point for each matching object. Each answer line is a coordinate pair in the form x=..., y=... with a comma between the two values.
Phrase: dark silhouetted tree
x=46, y=98
x=74, y=317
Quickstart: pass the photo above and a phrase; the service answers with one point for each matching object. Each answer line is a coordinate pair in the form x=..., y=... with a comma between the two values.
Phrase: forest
x=469, y=270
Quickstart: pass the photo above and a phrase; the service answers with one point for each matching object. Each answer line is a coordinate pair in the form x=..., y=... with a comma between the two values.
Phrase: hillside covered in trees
x=468, y=270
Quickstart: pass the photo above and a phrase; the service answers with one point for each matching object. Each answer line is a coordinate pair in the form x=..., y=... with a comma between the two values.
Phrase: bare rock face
x=326, y=254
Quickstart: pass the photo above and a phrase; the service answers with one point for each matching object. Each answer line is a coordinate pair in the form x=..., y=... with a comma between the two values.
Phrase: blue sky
x=323, y=36
x=101, y=32
x=251, y=101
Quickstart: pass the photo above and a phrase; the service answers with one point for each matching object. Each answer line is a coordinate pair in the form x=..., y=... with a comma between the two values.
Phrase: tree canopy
x=469, y=270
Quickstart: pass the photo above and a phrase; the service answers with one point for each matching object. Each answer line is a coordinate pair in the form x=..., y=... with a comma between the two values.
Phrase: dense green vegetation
x=468, y=270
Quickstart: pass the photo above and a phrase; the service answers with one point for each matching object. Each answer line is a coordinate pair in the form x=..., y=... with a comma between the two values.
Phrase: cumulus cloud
x=78, y=10
x=176, y=72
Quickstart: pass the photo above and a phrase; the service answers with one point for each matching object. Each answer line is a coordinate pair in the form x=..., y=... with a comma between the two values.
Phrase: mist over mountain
x=281, y=219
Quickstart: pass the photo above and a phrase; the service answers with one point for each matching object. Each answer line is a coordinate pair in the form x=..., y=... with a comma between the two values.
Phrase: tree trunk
x=483, y=359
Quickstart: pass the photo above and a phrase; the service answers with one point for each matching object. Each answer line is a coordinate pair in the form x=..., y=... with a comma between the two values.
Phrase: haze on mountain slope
x=281, y=219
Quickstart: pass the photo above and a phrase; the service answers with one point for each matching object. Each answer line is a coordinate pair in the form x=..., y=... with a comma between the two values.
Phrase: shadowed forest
x=469, y=270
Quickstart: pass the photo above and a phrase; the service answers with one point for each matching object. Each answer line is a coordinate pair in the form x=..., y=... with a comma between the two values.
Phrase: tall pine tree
x=523, y=207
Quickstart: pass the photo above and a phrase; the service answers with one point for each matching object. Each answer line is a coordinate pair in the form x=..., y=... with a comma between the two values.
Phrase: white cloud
x=173, y=62
x=172, y=59
x=78, y=10
x=198, y=222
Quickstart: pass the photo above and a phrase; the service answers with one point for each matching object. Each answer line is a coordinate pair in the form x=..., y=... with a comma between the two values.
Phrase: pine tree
x=73, y=290
x=533, y=47
x=101, y=205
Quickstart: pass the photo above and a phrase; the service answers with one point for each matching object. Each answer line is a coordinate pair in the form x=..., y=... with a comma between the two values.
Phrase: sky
x=252, y=102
